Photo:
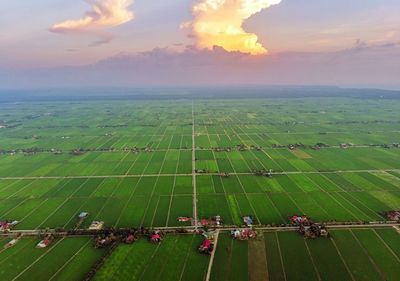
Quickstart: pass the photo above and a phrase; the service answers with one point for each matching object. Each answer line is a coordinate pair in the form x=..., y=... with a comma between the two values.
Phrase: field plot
x=362, y=254
x=322, y=196
x=120, y=202
x=176, y=258
x=65, y=259
x=96, y=164
x=285, y=160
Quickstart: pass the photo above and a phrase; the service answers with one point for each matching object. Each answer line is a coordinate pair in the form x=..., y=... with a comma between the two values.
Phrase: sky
x=90, y=43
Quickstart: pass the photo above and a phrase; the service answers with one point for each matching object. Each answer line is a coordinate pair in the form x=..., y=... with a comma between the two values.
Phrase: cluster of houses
x=105, y=239
x=263, y=173
x=313, y=231
x=244, y=234
x=7, y=225
x=213, y=221
x=393, y=215
x=239, y=147
x=307, y=228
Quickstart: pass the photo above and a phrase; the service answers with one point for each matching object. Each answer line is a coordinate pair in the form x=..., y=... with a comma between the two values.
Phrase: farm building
x=7, y=225
x=314, y=231
x=300, y=220
x=213, y=221
x=45, y=242
x=244, y=234
x=393, y=215
x=96, y=225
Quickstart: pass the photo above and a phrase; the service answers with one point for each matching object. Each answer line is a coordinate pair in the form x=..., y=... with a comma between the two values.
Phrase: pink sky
x=301, y=36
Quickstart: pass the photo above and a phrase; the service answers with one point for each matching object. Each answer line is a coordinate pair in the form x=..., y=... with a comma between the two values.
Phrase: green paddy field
x=176, y=258
x=66, y=259
x=357, y=254
x=144, y=163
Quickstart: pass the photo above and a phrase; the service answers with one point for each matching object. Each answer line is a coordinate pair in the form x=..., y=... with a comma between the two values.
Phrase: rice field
x=325, y=197
x=119, y=202
x=351, y=254
x=158, y=200
x=176, y=258
x=64, y=259
x=134, y=161
x=144, y=163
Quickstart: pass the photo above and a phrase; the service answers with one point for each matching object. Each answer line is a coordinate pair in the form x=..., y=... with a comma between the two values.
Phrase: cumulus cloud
x=104, y=13
x=220, y=23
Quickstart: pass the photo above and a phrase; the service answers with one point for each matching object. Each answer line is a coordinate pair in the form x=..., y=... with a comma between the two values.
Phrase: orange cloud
x=104, y=13
x=219, y=23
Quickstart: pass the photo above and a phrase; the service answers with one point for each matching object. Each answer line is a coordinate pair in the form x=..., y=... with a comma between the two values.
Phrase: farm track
x=197, y=174
x=372, y=225
x=211, y=262
x=194, y=170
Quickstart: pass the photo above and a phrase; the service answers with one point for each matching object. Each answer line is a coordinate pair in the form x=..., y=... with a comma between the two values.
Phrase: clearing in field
x=301, y=154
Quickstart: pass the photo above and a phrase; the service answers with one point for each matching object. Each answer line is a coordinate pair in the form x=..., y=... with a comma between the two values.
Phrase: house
x=96, y=225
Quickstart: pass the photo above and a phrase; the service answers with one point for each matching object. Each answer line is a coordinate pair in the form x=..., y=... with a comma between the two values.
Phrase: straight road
x=35, y=232
x=194, y=170
x=199, y=174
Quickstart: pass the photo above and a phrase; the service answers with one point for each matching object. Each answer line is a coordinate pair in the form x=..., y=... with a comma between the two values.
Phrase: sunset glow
x=104, y=13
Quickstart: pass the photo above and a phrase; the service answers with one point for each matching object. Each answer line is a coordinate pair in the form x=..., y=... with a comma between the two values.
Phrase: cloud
x=360, y=44
x=104, y=38
x=219, y=23
x=376, y=65
x=104, y=13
